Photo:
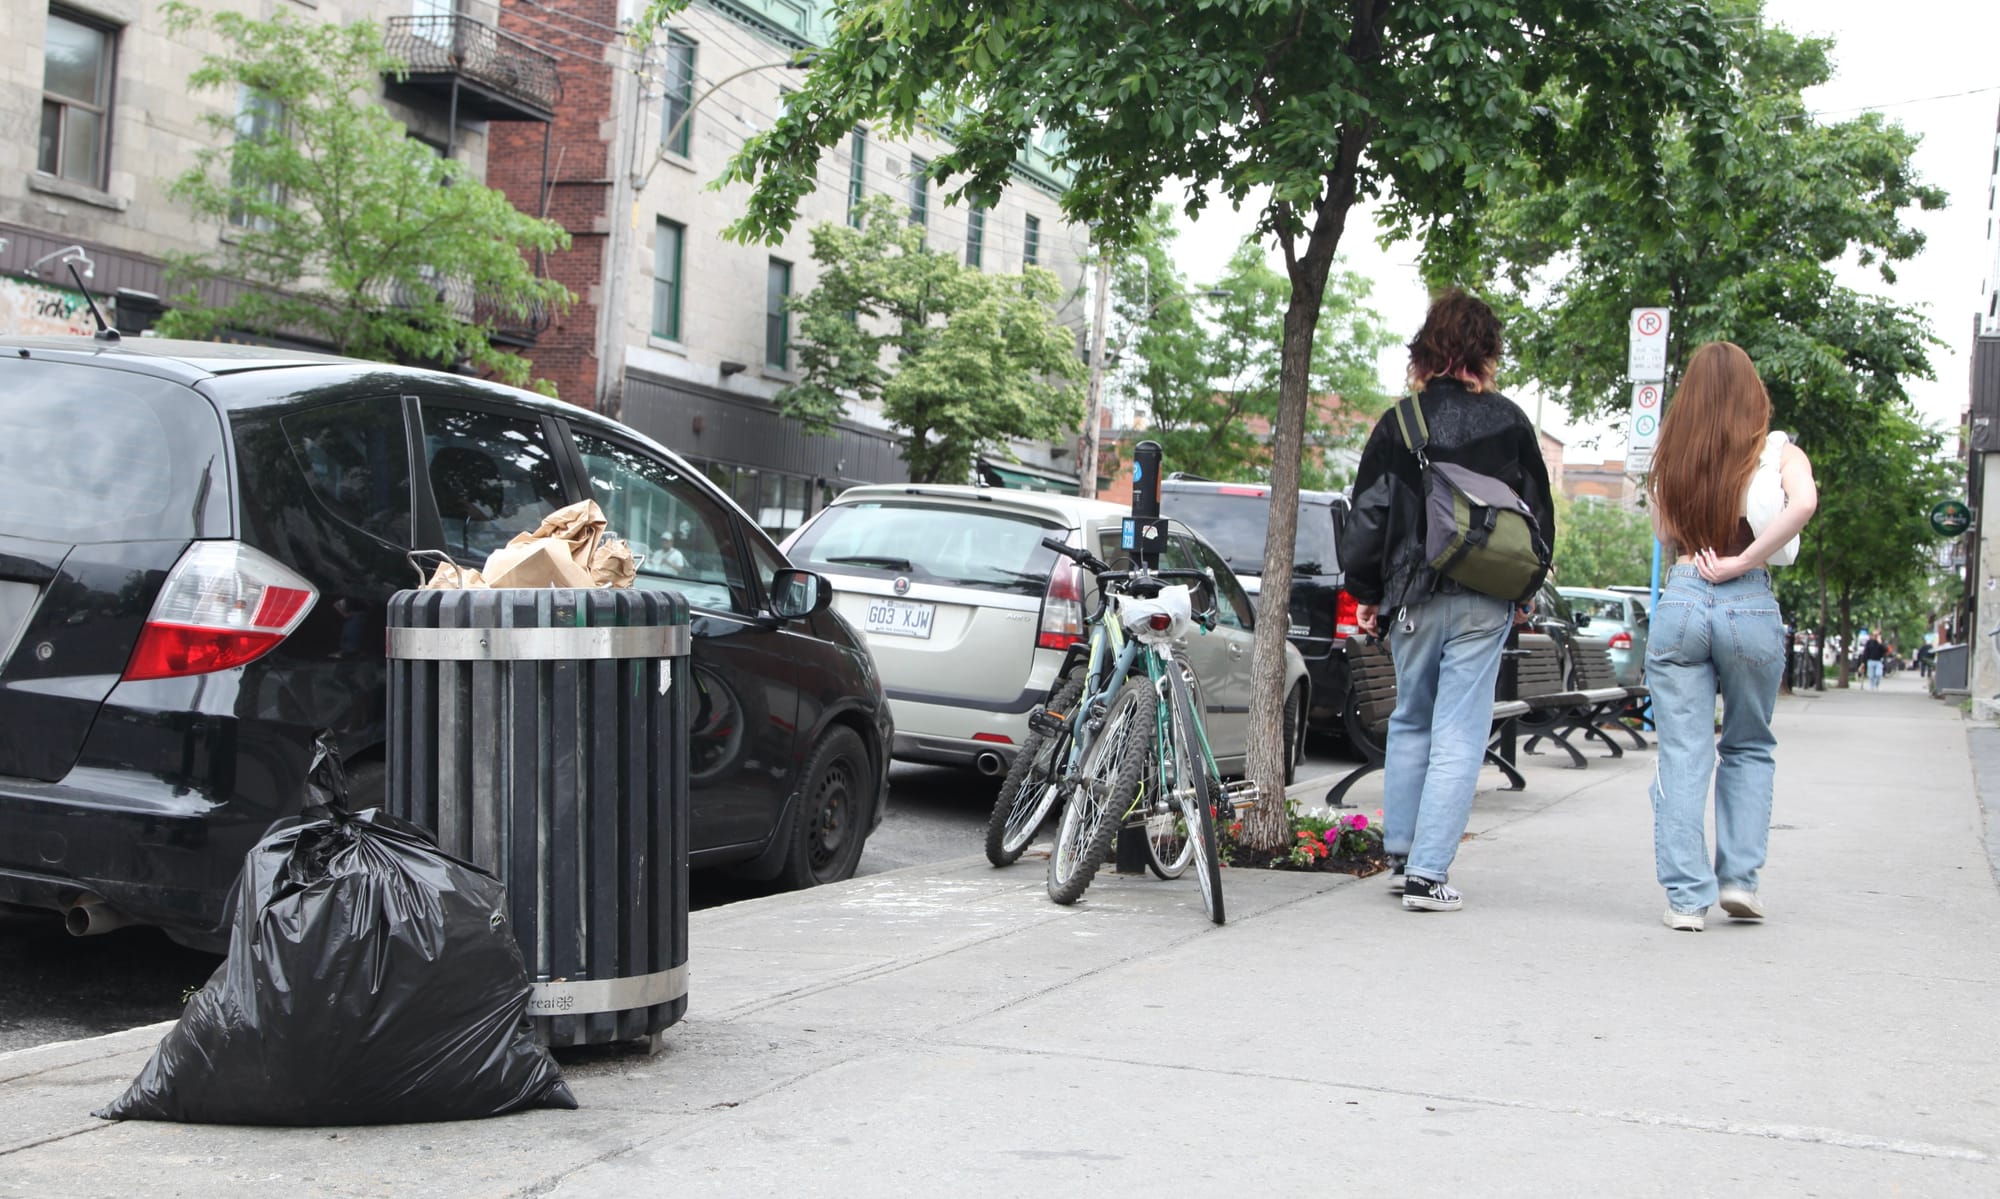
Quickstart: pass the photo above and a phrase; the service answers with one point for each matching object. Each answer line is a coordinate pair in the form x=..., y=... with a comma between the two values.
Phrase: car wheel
x=830, y=822
x=1295, y=733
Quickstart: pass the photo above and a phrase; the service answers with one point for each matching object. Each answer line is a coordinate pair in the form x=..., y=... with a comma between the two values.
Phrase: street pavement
x=944, y=1029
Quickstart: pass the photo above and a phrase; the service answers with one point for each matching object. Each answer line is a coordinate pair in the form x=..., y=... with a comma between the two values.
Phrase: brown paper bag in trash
x=450, y=576
x=535, y=562
x=579, y=528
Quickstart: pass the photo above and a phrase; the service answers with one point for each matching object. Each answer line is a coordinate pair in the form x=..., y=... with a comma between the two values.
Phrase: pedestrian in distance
x=1444, y=637
x=1874, y=654
x=1924, y=660
x=1729, y=497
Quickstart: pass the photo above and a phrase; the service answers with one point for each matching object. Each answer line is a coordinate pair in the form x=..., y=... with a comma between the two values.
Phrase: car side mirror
x=1582, y=621
x=797, y=594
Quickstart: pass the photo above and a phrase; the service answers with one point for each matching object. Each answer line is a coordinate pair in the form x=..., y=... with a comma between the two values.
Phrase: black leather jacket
x=1382, y=548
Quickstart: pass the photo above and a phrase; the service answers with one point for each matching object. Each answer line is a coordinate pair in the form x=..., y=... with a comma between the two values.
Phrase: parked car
x=1619, y=617
x=197, y=544
x=970, y=616
x=1233, y=517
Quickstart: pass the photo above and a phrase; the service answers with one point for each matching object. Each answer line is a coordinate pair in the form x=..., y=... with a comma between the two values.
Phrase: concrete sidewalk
x=947, y=1030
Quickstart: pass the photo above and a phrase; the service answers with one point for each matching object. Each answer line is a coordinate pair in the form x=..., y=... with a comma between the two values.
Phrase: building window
x=857, y=176
x=667, y=240
x=920, y=192
x=1031, y=242
x=77, y=69
x=676, y=117
x=259, y=118
x=975, y=235
x=777, y=315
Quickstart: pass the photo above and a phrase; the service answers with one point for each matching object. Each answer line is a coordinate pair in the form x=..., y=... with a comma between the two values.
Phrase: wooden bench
x=1578, y=708
x=1371, y=700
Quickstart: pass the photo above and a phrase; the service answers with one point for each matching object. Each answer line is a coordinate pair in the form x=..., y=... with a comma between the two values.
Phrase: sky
x=1887, y=57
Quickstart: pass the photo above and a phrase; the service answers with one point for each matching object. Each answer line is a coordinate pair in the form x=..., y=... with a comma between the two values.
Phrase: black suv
x=197, y=543
x=1233, y=517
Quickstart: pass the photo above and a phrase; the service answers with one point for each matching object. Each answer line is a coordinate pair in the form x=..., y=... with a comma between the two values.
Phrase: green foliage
x=348, y=230
x=958, y=359
x=1601, y=545
x=1301, y=106
x=1205, y=365
x=1793, y=198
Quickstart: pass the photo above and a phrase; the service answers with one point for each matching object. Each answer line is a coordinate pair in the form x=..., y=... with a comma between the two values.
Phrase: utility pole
x=1093, y=404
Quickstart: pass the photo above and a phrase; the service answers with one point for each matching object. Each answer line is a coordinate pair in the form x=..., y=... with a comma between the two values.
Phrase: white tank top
x=1765, y=498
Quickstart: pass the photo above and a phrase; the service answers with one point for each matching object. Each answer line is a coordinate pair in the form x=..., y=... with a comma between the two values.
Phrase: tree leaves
x=349, y=231
x=958, y=359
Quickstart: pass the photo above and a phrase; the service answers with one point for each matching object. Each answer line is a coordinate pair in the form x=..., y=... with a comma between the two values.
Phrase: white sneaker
x=1740, y=903
x=1684, y=922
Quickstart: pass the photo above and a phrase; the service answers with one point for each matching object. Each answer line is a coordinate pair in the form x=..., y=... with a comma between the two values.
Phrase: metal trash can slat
x=528, y=732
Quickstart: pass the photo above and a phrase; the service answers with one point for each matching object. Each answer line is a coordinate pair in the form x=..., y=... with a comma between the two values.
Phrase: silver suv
x=970, y=617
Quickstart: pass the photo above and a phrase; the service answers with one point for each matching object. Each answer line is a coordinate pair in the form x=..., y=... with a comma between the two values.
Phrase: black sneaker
x=1423, y=895
x=1396, y=874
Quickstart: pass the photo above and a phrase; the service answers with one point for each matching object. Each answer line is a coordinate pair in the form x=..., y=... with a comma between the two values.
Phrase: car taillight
x=223, y=604
x=1621, y=640
x=1346, y=616
x=1062, y=608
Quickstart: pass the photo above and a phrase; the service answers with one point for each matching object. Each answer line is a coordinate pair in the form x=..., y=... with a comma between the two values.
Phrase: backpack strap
x=1410, y=423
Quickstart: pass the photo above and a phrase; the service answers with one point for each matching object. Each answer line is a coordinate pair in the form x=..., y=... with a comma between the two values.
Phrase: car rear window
x=1598, y=607
x=962, y=547
x=92, y=455
x=1235, y=525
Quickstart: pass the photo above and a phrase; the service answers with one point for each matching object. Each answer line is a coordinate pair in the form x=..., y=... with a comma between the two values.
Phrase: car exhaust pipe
x=91, y=916
x=990, y=764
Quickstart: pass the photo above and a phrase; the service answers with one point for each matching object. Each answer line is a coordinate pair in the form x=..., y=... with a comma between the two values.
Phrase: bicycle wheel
x=1101, y=792
x=1031, y=785
x=1169, y=849
x=1195, y=789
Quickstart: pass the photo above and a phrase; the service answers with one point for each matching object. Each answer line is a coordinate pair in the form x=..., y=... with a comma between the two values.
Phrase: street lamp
x=798, y=63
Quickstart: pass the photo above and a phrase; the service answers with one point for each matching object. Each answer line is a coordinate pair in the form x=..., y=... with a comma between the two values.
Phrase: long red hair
x=1709, y=444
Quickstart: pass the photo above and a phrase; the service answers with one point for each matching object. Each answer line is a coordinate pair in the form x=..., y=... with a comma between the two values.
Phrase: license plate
x=899, y=618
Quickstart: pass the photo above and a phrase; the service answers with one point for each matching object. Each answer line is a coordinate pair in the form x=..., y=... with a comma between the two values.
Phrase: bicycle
x=1121, y=743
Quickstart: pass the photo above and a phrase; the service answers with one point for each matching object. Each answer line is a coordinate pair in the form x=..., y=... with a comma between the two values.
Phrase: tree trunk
x=1266, y=827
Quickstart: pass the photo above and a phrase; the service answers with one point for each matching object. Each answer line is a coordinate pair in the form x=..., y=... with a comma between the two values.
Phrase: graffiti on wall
x=29, y=308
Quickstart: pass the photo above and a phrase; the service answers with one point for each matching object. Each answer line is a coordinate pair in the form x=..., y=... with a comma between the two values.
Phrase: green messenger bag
x=1477, y=532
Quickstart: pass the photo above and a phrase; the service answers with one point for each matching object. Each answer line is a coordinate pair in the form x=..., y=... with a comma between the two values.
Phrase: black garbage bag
x=371, y=979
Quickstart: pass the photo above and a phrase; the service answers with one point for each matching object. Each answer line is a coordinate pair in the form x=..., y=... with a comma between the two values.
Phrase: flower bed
x=1339, y=843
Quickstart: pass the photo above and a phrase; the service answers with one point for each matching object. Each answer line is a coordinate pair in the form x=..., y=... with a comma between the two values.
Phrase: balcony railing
x=448, y=46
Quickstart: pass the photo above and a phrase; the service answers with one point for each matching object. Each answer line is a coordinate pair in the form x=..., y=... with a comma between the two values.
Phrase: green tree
x=1600, y=544
x=1753, y=261
x=1206, y=365
x=347, y=230
x=958, y=359
x=1302, y=107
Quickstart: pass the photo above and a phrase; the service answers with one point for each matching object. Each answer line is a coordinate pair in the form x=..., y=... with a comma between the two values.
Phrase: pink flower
x=1357, y=822
x=1332, y=835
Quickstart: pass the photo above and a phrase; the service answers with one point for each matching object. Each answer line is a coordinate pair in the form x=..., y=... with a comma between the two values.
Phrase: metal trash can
x=1949, y=669
x=542, y=735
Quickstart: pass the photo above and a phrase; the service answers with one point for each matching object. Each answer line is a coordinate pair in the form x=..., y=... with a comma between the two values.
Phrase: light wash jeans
x=1710, y=637
x=1447, y=655
x=1874, y=676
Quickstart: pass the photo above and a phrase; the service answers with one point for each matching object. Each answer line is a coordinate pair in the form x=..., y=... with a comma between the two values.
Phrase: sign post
x=1646, y=363
x=1950, y=518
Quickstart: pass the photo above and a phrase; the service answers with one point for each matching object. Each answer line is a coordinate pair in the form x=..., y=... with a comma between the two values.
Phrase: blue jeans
x=1447, y=655
x=1709, y=638
x=1874, y=674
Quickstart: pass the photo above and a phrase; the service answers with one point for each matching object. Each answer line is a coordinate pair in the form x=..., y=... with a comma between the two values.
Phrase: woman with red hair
x=1729, y=497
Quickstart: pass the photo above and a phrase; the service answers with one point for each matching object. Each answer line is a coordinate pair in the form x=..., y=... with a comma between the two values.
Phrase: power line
x=1977, y=91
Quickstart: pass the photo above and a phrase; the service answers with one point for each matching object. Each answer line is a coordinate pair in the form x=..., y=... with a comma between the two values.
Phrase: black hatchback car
x=1233, y=517
x=197, y=544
